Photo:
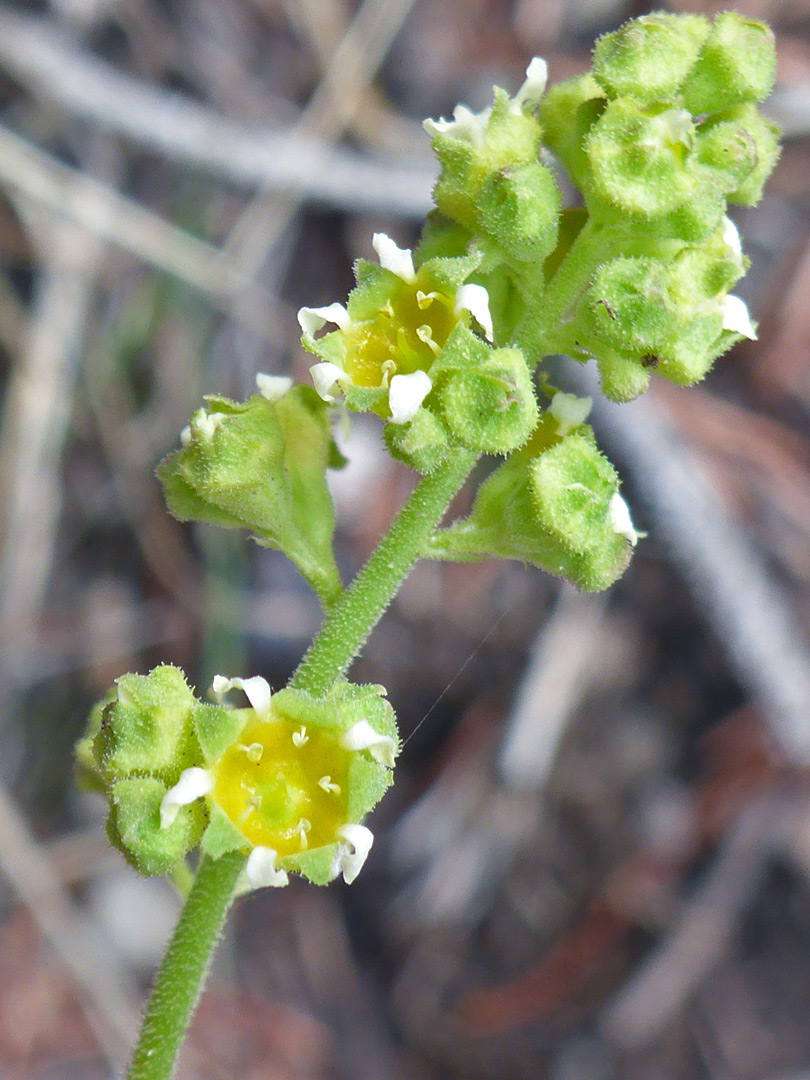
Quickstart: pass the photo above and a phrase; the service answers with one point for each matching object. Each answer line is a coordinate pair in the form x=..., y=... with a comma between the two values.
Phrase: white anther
x=313, y=319
x=325, y=782
x=351, y=855
x=406, y=394
x=362, y=736
x=569, y=411
x=425, y=334
x=256, y=689
x=300, y=737
x=475, y=299
x=253, y=752
x=327, y=379
x=272, y=387
x=261, y=870
x=620, y=520
x=192, y=784
x=392, y=257
x=736, y=317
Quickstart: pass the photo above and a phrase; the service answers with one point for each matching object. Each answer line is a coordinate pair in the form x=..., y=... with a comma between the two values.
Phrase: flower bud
x=519, y=207
x=567, y=113
x=736, y=64
x=648, y=58
x=741, y=146
x=552, y=504
x=638, y=158
x=260, y=465
x=134, y=825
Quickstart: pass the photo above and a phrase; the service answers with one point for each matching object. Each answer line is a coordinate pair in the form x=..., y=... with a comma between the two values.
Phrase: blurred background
x=595, y=864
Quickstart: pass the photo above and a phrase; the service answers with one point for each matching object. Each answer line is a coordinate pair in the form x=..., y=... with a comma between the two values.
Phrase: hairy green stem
x=179, y=981
x=354, y=616
x=343, y=633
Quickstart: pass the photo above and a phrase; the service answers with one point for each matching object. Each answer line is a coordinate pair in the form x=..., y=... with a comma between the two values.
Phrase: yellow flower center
x=403, y=337
x=283, y=785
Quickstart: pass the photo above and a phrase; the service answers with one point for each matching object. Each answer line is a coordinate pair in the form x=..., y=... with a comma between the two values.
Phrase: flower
x=389, y=336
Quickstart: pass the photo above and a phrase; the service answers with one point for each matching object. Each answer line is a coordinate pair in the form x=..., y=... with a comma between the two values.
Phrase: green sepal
x=133, y=825
x=341, y=708
x=221, y=835
x=260, y=465
x=420, y=444
x=217, y=728
x=147, y=726
x=649, y=57
x=87, y=772
x=736, y=64
x=622, y=377
x=484, y=396
x=317, y=865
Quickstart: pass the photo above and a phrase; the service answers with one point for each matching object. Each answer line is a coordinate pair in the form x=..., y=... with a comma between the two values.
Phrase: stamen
x=300, y=737
x=302, y=828
x=425, y=333
x=325, y=782
x=253, y=752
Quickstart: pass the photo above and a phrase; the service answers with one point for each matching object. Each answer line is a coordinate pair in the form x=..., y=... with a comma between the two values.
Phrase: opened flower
x=393, y=328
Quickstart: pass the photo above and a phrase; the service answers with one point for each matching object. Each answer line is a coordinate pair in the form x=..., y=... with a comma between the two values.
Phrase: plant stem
x=354, y=616
x=343, y=633
x=180, y=978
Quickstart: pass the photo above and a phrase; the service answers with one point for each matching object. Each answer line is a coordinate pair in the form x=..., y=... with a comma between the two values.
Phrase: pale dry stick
x=329, y=111
x=664, y=983
x=323, y=23
x=107, y=994
x=556, y=677
x=180, y=129
x=34, y=421
x=110, y=216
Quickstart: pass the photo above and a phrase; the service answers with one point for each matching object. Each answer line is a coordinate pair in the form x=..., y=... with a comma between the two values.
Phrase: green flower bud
x=639, y=159
x=743, y=147
x=736, y=64
x=260, y=465
x=520, y=207
x=421, y=444
x=648, y=58
x=555, y=504
x=472, y=146
x=484, y=396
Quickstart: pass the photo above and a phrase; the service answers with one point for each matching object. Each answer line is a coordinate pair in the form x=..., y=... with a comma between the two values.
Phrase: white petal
x=676, y=125
x=362, y=736
x=392, y=257
x=736, y=317
x=620, y=520
x=272, y=387
x=313, y=319
x=475, y=299
x=534, y=86
x=256, y=689
x=192, y=784
x=406, y=394
x=260, y=869
x=185, y=436
x=569, y=411
x=325, y=377
x=732, y=238
x=351, y=856
x=207, y=423
x=466, y=125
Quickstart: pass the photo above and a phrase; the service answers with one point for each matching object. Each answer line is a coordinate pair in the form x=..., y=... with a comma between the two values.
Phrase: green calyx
x=260, y=465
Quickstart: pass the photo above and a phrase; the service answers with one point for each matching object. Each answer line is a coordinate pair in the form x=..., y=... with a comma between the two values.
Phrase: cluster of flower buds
x=286, y=780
